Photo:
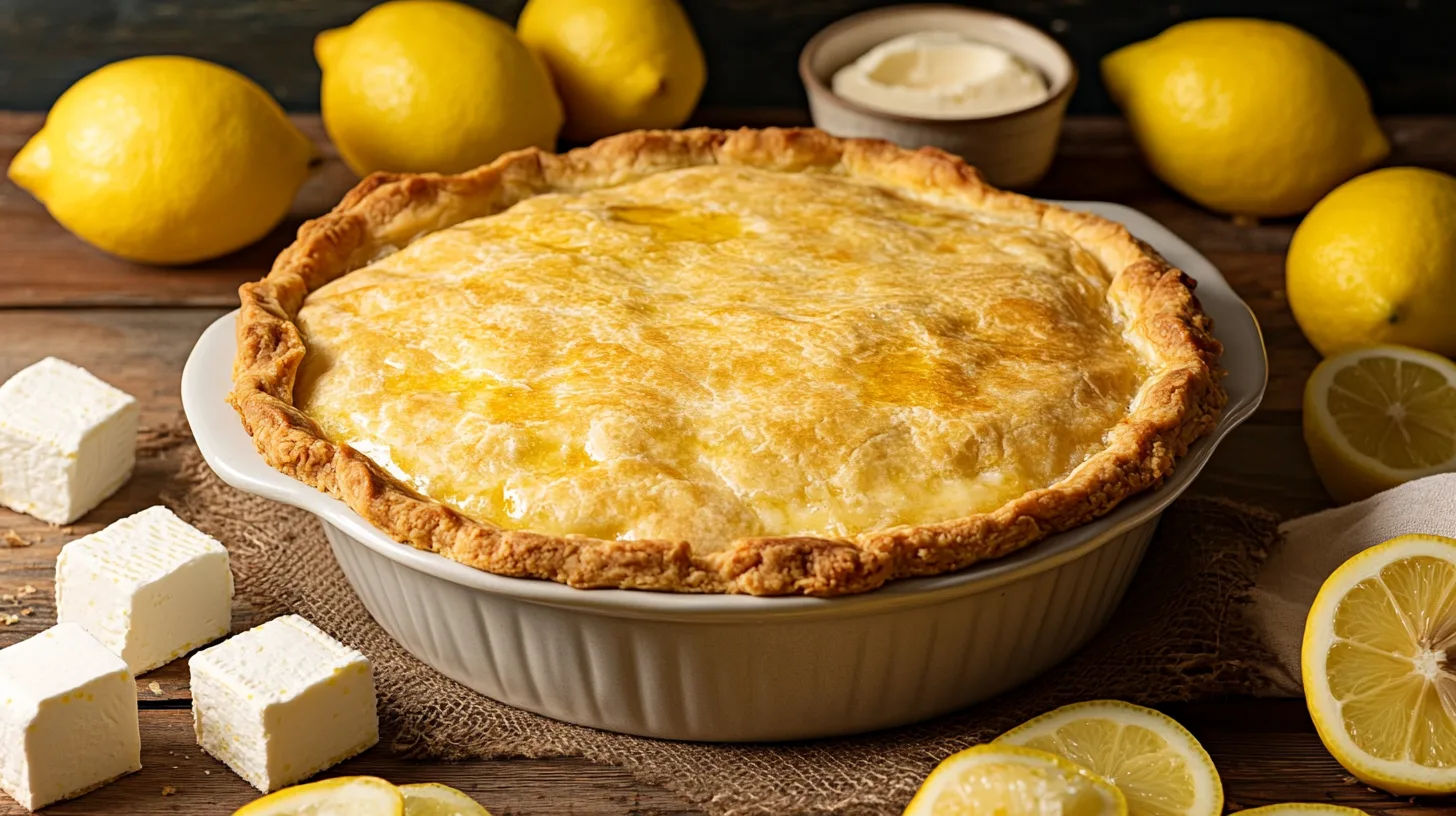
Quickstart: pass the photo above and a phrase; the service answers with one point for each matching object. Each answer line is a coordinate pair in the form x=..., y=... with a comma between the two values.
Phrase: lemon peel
x=620, y=64
x=165, y=160
x=1249, y=117
x=422, y=86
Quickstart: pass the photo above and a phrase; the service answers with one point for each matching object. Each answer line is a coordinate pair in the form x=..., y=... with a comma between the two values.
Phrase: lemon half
x=1009, y=780
x=1379, y=416
x=1379, y=673
x=1154, y=761
x=345, y=796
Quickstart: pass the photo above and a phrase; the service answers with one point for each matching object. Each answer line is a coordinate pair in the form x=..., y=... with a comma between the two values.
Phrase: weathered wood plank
x=142, y=353
x=1266, y=751
x=202, y=786
x=44, y=265
x=1265, y=465
x=138, y=351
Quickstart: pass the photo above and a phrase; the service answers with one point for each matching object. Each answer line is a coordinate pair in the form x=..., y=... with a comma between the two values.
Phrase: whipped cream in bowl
x=984, y=86
x=940, y=75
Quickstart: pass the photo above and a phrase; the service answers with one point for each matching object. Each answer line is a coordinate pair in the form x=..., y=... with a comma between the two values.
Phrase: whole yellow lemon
x=1248, y=117
x=165, y=160
x=432, y=86
x=619, y=64
x=1375, y=262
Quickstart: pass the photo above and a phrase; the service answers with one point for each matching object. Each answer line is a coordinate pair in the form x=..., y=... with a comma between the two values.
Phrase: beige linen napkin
x=1316, y=545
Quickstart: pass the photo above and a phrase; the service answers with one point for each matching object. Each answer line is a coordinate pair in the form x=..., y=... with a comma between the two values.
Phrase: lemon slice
x=1380, y=665
x=1152, y=759
x=1302, y=809
x=1009, y=780
x=1379, y=416
x=430, y=799
x=345, y=796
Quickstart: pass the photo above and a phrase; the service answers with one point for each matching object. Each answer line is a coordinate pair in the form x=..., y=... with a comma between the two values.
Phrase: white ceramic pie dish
x=738, y=668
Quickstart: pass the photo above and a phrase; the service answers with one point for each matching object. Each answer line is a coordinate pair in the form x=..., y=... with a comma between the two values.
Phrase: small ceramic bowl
x=1011, y=149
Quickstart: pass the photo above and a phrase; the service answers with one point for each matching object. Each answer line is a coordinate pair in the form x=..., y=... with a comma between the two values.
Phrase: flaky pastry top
x=762, y=361
x=715, y=353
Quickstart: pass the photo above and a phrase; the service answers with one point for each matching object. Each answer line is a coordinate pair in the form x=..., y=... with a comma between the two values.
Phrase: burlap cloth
x=1179, y=636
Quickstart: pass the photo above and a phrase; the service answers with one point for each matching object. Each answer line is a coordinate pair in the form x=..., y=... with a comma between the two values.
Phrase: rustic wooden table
x=134, y=326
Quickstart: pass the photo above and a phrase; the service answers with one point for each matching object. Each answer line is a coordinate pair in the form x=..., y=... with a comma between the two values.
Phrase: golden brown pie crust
x=386, y=212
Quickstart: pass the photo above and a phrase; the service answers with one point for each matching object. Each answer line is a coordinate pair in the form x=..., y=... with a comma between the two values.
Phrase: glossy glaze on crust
x=733, y=353
x=1178, y=401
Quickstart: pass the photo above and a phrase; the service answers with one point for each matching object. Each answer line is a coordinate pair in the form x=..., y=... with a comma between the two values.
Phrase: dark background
x=1404, y=49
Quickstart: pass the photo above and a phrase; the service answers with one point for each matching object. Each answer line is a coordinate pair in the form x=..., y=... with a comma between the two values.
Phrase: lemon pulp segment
x=1378, y=416
x=1388, y=665
x=1397, y=411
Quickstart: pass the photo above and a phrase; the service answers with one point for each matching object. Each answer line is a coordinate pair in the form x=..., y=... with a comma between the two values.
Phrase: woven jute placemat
x=1178, y=636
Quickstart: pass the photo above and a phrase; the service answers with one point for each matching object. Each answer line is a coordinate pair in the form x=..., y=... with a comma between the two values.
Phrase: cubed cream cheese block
x=67, y=441
x=281, y=702
x=150, y=587
x=69, y=721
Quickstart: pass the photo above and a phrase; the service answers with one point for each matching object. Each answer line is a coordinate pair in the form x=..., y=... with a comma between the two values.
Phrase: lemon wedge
x=1302, y=809
x=1379, y=662
x=1379, y=416
x=1009, y=780
x=345, y=796
x=431, y=799
x=1154, y=761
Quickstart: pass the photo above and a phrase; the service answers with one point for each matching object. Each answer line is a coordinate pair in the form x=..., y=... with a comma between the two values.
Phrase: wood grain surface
x=1400, y=47
x=135, y=325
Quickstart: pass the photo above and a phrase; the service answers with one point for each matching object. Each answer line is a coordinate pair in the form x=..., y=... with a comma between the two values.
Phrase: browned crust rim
x=1179, y=402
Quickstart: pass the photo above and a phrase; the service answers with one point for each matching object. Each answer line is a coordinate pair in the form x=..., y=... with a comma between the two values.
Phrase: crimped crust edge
x=1179, y=403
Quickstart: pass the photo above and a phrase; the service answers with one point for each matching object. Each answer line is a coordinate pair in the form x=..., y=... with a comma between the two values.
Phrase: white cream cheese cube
x=69, y=721
x=150, y=587
x=281, y=702
x=67, y=441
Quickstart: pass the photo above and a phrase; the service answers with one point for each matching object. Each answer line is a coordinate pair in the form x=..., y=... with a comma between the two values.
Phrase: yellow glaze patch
x=716, y=352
